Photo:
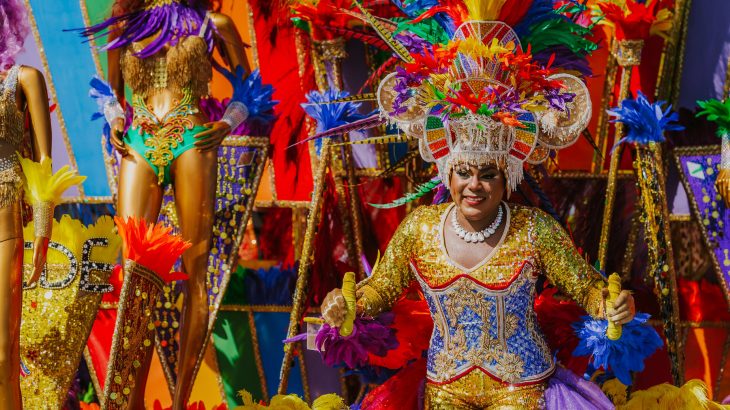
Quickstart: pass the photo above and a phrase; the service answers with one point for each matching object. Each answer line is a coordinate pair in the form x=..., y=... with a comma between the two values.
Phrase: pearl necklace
x=480, y=236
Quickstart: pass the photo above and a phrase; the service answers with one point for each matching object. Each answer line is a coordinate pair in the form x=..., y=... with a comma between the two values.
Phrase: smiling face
x=477, y=191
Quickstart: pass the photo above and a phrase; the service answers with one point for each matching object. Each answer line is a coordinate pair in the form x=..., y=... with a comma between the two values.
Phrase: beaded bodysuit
x=484, y=322
x=184, y=69
x=12, y=131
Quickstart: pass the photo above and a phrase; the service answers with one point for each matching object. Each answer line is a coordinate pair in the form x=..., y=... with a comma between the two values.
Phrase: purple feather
x=372, y=121
x=173, y=21
x=369, y=336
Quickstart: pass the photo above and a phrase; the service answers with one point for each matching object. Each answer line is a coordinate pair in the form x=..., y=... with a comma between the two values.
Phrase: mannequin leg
x=194, y=176
x=139, y=196
x=11, y=288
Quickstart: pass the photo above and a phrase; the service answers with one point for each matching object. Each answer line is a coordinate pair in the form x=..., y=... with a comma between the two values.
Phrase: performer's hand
x=623, y=310
x=40, y=251
x=117, y=132
x=212, y=138
x=334, y=308
x=723, y=185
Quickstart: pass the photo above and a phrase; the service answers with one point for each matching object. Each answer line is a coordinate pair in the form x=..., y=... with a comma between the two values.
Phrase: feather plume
x=484, y=10
x=384, y=33
x=421, y=191
x=383, y=139
x=151, y=245
x=354, y=34
x=373, y=120
x=638, y=341
x=252, y=92
x=717, y=112
x=352, y=98
x=42, y=185
x=692, y=395
x=644, y=122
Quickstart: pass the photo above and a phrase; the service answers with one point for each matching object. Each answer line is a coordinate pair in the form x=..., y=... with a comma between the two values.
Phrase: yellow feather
x=692, y=395
x=662, y=25
x=484, y=10
x=72, y=234
x=329, y=402
x=42, y=185
x=615, y=390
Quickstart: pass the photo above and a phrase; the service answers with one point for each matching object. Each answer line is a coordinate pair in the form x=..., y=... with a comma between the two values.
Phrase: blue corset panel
x=494, y=330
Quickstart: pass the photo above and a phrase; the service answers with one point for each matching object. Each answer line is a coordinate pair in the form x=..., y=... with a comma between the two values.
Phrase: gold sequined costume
x=486, y=349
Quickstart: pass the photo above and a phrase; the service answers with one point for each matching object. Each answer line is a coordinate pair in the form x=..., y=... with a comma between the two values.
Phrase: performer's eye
x=489, y=175
x=463, y=174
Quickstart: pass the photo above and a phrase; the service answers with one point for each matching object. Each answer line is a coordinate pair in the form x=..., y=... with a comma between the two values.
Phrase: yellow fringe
x=42, y=185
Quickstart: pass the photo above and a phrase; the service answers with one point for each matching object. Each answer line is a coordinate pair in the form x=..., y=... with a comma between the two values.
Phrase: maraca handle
x=613, y=331
x=348, y=292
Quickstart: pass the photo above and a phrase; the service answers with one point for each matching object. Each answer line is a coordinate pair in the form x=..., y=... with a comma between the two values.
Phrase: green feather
x=421, y=190
x=717, y=112
x=560, y=31
x=427, y=29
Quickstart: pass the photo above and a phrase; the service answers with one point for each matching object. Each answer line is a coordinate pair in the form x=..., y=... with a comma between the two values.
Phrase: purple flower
x=558, y=100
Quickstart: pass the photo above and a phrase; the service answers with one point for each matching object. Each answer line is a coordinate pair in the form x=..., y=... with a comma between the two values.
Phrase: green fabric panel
x=236, y=360
x=236, y=290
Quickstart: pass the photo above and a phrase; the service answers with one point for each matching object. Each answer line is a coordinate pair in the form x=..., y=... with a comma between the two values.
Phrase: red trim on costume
x=491, y=286
x=493, y=377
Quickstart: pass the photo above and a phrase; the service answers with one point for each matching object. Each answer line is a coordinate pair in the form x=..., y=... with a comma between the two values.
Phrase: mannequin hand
x=723, y=185
x=623, y=310
x=212, y=138
x=40, y=251
x=117, y=131
x=333, y=308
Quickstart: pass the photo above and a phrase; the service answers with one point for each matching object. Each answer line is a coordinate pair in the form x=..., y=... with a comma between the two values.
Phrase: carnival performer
x=162, y=49
x=22, y=95
x=483, y=102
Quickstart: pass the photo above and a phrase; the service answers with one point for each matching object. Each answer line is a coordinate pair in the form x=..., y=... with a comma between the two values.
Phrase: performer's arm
x=114, y=112
x=565, y=268
x=34, y=89
x=392, y=274
x=232, y=48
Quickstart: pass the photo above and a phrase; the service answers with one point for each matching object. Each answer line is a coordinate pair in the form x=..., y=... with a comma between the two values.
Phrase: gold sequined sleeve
x=392, y=274
x=563, y=265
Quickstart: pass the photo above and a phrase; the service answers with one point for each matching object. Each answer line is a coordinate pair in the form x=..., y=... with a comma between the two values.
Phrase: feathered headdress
x=486, y=81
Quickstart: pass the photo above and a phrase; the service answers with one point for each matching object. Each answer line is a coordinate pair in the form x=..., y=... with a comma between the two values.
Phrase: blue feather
x=252, y=92
x=643, y=121
x=101, y=92
x=627, y=354
x=329, y=116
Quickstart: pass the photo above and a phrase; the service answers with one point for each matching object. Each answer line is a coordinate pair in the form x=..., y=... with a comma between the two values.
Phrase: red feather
x=279, y=45
x=413, y=326
x=151, y=245
x=387, y=65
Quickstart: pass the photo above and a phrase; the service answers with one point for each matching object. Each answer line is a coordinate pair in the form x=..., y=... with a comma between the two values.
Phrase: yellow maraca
x=348, y=292
x=613, y=331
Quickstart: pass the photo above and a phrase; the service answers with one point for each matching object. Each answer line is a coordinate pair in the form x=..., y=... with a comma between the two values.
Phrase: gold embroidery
x=166, y=134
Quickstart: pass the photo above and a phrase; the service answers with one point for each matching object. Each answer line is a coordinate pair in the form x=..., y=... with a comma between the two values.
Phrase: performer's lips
x=473, y=200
